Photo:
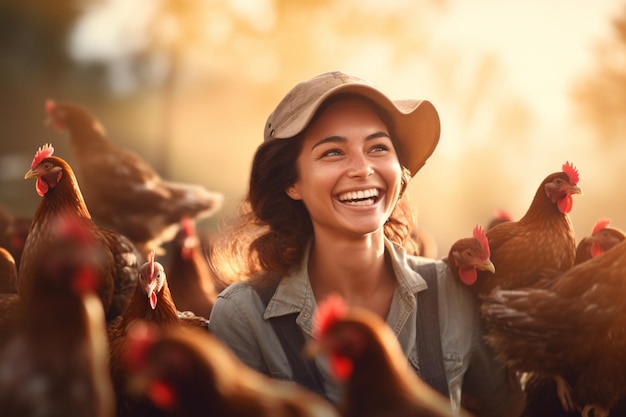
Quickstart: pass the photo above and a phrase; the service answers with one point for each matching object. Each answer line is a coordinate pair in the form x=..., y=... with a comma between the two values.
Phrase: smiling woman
x=325, y=215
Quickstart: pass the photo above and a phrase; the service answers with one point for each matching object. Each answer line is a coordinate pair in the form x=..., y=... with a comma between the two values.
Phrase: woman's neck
x=358, y=270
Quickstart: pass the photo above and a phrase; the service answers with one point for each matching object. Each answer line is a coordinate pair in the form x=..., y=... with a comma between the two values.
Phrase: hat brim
x=416, y=123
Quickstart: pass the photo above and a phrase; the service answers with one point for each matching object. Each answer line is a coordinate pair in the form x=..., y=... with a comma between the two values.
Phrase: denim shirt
x=240, y=320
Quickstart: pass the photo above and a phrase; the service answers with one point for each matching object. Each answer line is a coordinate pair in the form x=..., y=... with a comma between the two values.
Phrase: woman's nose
x=360, y=166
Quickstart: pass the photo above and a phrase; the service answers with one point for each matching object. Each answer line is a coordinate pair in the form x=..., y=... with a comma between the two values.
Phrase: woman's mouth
x=359, y=198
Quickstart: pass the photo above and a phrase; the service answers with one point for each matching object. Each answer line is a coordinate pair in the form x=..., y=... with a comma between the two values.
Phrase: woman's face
x=349, y=176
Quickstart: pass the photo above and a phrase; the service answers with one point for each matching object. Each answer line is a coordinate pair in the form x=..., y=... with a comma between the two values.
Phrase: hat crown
x=303, y=95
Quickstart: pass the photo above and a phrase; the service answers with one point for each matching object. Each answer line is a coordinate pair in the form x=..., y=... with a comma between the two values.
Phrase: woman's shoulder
x=445, y=280
x=239, y=291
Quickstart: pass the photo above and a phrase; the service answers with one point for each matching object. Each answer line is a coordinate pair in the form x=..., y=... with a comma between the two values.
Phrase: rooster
x=122, y=190
x=469, y=255
x=364, y=353
x=152, y=302
x=61, y=194
x=189, y=275
x=572, y=329
x=543, y=239
x=57, y=363
x=189, y=373
x=603, y=237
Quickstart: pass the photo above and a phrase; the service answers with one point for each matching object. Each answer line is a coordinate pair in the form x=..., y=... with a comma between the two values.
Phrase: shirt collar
x=294, y=293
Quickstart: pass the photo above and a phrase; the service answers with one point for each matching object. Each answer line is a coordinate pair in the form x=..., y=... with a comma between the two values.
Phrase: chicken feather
x=574, y=327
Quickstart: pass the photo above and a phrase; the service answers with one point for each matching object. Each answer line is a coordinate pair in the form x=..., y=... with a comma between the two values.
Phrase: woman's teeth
x=362, y=197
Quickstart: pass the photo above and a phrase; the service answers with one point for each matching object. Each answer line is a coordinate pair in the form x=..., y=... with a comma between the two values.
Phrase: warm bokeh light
x=189, y=84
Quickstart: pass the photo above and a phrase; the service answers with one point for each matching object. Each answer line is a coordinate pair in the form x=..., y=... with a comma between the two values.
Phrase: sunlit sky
x=543, y=43
x=540, y=47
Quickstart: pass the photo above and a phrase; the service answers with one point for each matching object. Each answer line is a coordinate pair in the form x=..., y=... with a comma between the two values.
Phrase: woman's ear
x=293, y=193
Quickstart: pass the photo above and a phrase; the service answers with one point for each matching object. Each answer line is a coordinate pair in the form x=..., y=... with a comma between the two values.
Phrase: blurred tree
x=34, y=64
x=33, y=37
x=600, y=96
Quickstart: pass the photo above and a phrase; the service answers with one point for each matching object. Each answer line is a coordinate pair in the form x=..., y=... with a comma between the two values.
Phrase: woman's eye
x=331, y=152
x=380, y=148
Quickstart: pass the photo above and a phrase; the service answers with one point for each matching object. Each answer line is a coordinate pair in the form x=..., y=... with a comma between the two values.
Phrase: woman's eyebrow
x=341, y=139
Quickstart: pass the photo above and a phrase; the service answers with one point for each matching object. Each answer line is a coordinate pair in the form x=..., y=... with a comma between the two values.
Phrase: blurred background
x=521, y=88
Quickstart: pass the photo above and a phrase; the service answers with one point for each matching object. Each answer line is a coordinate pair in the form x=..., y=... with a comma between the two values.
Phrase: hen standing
x=61, y=194
x=543, y=239
x=365, y=354
x=574, y=329
x=152, y=302
x=190, y=373
x=56, y=365
x=121, y=189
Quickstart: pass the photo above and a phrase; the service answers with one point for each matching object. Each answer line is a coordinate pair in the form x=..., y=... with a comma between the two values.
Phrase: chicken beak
x=488, y=266
x=30, y=174
x=575, y=189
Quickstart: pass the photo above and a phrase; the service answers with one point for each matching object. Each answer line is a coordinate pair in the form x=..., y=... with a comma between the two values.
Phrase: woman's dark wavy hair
x=273, y=229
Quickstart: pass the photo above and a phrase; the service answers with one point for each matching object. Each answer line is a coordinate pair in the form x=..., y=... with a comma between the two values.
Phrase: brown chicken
x=365, y=355
x=151, y=302
x=573, y=329
x=603, y=237
x=469, y=255
x=542, y=400
x=122, y=191
x=61, y=194
x=188, y=272
x=57, y=362
x=190, y=373
x=543, y=239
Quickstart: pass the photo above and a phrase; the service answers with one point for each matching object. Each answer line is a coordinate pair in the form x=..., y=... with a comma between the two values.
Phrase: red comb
x=600, y=224
x=50, y=106
x=70, y=227
x=162, y=395
x=151, y=259
x=42, y=153
x=503, y=214
x=481, y=237
x=330, y=310
x=141, y=338
x=571, y=172
x=187, y=224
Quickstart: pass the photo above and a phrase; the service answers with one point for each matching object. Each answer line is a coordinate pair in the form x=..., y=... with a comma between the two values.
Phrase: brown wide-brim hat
x=415, y=122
